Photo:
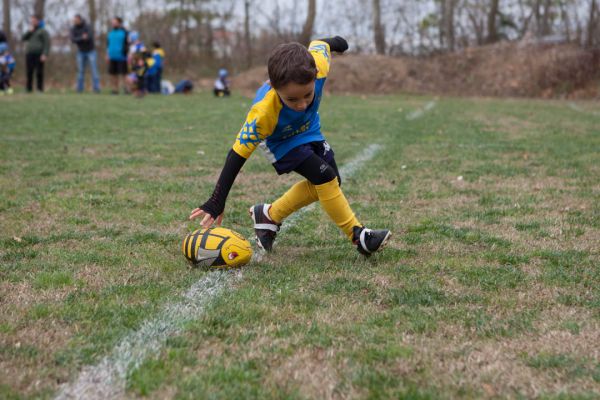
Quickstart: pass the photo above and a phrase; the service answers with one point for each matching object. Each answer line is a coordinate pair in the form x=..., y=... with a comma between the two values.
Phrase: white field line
x=574, y=106
x=107, y=379
x=418, y=113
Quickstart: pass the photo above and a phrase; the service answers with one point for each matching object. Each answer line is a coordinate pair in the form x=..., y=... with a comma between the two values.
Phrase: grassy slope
x=489, y=288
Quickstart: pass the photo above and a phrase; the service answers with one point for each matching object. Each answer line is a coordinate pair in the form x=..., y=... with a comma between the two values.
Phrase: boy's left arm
x=321, y=51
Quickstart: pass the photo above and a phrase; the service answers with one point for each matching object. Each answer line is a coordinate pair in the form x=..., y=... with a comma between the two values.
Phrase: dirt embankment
x=505, y=69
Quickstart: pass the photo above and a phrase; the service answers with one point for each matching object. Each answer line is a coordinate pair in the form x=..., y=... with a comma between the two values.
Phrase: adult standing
x=36, y=52
x=2, y=36
x=116, y=53
x=83, y=36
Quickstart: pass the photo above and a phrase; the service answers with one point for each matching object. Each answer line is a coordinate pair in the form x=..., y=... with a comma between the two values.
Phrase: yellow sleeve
x=258, y=126
x=322, y=55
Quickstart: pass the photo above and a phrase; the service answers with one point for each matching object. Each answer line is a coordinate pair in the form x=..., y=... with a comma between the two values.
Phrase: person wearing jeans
x=83, y=36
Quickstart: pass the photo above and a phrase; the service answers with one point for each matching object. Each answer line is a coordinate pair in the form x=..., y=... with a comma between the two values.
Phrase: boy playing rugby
x=284, y=122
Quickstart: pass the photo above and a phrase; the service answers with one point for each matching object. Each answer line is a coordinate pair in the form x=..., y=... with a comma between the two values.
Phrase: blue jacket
x=116, y=44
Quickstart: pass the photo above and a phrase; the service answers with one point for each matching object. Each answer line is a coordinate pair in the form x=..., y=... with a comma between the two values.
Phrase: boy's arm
x=321, y=51
x=256, y=128
x=337, y=43
x=215, y=205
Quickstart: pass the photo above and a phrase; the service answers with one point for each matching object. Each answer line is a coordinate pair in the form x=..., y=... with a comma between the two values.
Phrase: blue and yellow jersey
x=7, y=63
x=276, y=127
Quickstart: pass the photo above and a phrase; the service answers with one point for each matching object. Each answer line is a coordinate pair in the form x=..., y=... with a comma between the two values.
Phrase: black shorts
x=117, y=67
x=297, y=155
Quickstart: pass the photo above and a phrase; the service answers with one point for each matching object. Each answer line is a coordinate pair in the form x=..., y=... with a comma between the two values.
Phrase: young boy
x=221, y=86
x=284, y=122
x=7, y=66
x=158, y=54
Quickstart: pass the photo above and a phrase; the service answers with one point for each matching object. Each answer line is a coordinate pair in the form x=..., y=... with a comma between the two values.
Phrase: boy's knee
x=326, y=174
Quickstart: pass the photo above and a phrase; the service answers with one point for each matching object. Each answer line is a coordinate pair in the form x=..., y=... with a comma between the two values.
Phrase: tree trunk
x=492, y=36
x=378, y=29
x=92, y=12
x=307, y=29
x=546, y=28
x=448, y=23
x=6, y=22
x=38, y=8
x=247, y=33
x=592, y=22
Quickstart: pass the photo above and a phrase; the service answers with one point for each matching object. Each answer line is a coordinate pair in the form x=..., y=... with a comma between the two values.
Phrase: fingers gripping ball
x=216, y=247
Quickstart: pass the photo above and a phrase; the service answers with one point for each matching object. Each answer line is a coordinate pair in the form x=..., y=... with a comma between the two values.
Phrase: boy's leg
x=300, y=195
x=327, y=187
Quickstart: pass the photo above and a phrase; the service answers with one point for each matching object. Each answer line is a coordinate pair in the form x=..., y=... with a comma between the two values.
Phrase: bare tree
x=39, y=7
x=247, y=33
x=307, y=29
x=6, y=22
x=92, y=12
x=492, y=34
x=592, y=23
x=378, y=29
x=447, y=37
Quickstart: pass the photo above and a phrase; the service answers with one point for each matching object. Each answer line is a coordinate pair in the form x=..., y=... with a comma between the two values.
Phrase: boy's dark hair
x=291, y=62
x=119, y=20
x=156, y=44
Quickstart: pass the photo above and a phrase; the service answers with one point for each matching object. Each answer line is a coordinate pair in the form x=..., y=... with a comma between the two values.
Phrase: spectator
x=116, y=53
x=2, y=37
x=158, y=55
x=184, y=86
x=36, y=52
x=83, y=36
x=136, y=47
x=221, y=86
x=7, y=66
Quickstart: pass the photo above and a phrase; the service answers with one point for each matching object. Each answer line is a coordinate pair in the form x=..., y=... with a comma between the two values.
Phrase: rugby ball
x=216, y=247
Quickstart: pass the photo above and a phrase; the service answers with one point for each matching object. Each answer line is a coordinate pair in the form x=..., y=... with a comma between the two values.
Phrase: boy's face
x=297, y=97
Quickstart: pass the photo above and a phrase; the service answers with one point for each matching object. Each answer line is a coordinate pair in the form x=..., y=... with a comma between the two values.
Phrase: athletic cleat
x=369, y=241
x=264, y=227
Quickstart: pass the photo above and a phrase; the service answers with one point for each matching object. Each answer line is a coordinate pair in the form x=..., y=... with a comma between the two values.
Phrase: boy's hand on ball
x=208, y=220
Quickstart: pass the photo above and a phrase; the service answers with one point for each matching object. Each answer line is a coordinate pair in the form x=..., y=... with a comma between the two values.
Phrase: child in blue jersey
x=158, y=55
x=284, y=122
x=7, y=67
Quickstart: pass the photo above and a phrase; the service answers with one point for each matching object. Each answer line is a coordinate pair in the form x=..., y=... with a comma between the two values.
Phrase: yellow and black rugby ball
x=216, y=247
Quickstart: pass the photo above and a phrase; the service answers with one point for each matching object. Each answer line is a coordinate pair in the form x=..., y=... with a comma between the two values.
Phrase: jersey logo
x=249, y=135
x=322, y=49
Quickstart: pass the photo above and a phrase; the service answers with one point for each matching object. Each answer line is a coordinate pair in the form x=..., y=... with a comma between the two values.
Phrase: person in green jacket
x=36, y=52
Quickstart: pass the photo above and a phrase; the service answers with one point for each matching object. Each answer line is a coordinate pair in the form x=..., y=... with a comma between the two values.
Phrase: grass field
x=490, y=286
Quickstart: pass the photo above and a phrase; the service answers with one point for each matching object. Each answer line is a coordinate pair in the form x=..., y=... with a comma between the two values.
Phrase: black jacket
x=77, y=32
x=2, y=37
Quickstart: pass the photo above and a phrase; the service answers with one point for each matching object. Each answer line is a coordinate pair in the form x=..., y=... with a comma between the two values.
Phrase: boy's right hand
x=208, y=220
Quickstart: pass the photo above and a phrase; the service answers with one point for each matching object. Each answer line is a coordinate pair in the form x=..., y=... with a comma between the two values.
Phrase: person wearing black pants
x=36, y=53
x=33, y=64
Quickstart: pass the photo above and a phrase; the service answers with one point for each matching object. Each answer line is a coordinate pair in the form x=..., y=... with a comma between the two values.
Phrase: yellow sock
x=300, y=195
x=336, y=206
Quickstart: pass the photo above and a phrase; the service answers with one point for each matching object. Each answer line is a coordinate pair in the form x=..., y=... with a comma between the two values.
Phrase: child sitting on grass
x=284, y=122
x=221, y=86
x=7, y=67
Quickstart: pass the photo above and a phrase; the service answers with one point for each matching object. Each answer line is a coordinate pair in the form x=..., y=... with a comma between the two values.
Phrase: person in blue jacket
x=7, y=66
x=116, y=53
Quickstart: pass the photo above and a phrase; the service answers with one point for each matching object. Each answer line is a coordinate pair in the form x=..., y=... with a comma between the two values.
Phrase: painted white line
x=574, y=106
x=418, y=113
x=107, y=379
